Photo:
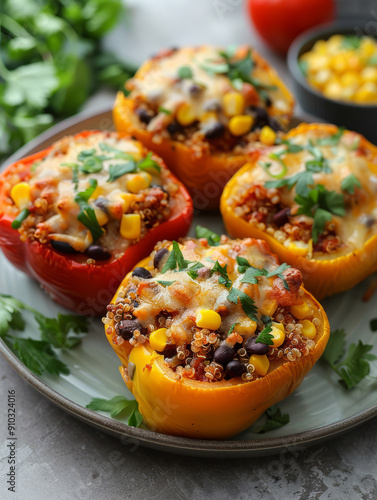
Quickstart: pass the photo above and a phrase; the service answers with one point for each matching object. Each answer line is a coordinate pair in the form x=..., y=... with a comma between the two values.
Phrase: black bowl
x=358, y=117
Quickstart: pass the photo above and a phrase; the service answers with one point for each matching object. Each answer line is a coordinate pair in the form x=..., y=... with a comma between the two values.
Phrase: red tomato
x=279, y=22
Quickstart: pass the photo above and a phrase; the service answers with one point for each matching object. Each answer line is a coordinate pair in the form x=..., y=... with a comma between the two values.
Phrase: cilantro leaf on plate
x=274, y=419
x=117, y=406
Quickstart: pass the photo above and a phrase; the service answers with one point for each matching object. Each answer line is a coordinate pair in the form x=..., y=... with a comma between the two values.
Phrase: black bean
x=96, y=252
x=212, y=105
x=214, y=130
x=235, y=368
x=224, y=354
x=260, y=114
x=126, y=327
x=173, y=128
x=274, y=124
x=268, y=101
x=195, y=89
x=253, y=348
x=141, y=272
x=282, y=217
x=62, y=246
x=160, y=257
x=102, y=203
x=135, y=304
x=144, y=115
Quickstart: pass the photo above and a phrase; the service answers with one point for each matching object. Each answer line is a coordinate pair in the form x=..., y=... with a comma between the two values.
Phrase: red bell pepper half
x=68, y=279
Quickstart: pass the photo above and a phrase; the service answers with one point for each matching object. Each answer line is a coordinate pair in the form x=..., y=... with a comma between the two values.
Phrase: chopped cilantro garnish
x=351, y=42
x=247, y=303
x=118, y=169
x=231, y=329
x=355, y=366
x=147, y=163
x=175, y=259
x=252, y=273
x=265, y=336
x=91, y=165
x=185, y=72
x=349, y=183
x=224, y=278
x=165, y=283
x=87, y=215
x=332, y=140
x=16, y=224
x=320, y=204
x=118, y=153
x=161, y=109
x=212, y=238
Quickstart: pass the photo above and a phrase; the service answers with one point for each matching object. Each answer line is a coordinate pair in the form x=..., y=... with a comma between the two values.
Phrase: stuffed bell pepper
x=209, y=337
x=312, y=197
x=80, y=214
x=200, y=109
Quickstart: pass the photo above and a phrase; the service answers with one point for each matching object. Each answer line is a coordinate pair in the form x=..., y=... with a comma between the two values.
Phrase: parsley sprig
x=265, y=336
x=118, y=407
x=212, y=238
x=352, y=367
x=39, y=355
x=247, y=303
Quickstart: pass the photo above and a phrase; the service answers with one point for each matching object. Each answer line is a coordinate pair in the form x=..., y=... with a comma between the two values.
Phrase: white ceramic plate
x=319, y=409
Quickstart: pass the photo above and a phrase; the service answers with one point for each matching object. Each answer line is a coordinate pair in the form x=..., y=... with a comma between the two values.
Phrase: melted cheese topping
x=157, y=83
x=186, y=296
x=360, y=221
x=59, y=177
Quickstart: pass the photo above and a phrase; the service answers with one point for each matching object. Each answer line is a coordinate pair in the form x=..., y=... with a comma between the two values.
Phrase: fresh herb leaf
x=16, y=224
x=117, y=153
x=279, y=272
x=193, y=274
x=349, y=183
x=38, y=354
x=265, y=336
x=117, y=406
x=247, y=303
x=118, y=169
x=147, y=164
x=175, y=259
x=85, y=153
x=304, y=67
x=332, y=140
x=165, y=283
x=212, y=238
x=283, y=171
x=231, y=329
x=266, y=320
x=161, y=109
x=91, y=165
x=274, y=420
x=185, y=72
x=224, y=278
x=351, y=42
x=355, y=367
x=243, y=264
x=87, y=215
x=251, y=275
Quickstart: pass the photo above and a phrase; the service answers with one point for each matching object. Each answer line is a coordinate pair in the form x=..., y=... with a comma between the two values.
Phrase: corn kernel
x=20, y=194
x=138, y=182
x=157, y=339
x=206, y=318
x=234, y=103
x=367, y=92
x=130, y=226
x=240, y=125
x=96, y=193
x=308, y=329
x=101, y=217
x=317, y=62
x=246, y=327
x=369, y=74
x=300, y=311
x=320, y=46
x=278, y=334
x=268, y=307
x=126, y=199
x=367, y=47
x=261, y=363
x=186, y=114
x=267, y=136
x=349, y=78
x=333, y=89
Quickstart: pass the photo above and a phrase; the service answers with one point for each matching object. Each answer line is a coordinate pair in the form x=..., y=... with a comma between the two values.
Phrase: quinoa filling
x=231, y=312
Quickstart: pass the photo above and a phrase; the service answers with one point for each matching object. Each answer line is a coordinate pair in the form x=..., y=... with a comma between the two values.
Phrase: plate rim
x=149, y=438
